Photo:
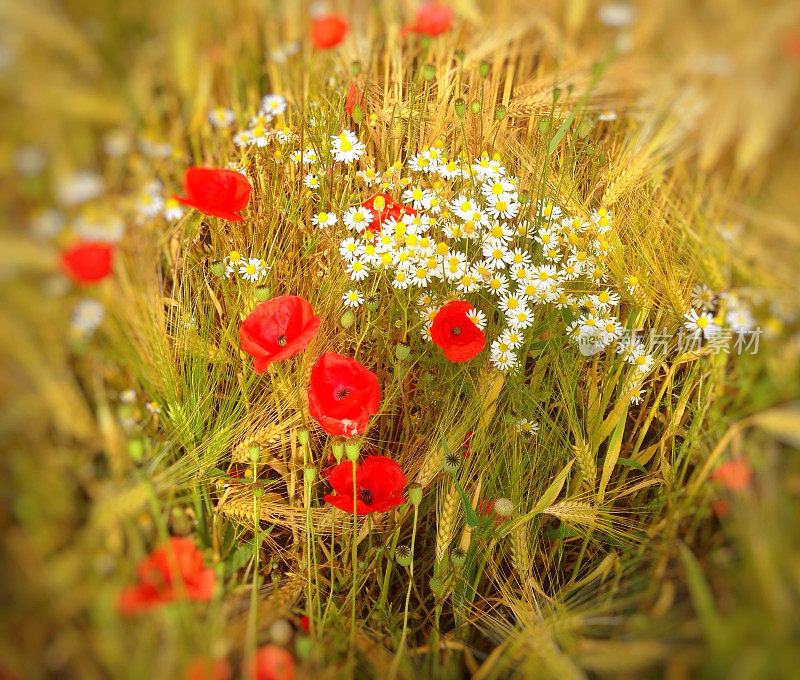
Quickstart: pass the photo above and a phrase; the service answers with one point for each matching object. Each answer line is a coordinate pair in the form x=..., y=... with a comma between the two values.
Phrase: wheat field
x=588, y=469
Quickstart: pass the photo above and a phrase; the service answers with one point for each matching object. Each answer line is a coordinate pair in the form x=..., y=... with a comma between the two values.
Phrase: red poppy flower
x=353, y=97
x=220, y=193
x=734, y=474
x=456, y=333
x=278, y=329
x=270, y=663
x=208, y=669
x=158, y=582
x=383, y=207
x=342, y=395
x=379, y=485
x=432, y=19
x=88, y=261
x=305, y=624
x=329, y=30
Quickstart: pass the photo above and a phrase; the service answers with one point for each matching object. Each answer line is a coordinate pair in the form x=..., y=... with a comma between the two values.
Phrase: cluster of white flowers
x=260, y=132
x=87, y=315
x=249, y=268
x=153, y=201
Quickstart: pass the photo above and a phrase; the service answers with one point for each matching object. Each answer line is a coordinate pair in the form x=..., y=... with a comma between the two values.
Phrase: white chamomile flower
x=232, y=263
x=349, y=248
x=420, y=276
x=128, y=396
x=527, y=427
x=602, y=220
x=358, y=218
x=153, y=407
x=284, y=134
x=346, y=147
x=259, y=135
x=468, y=283
x=631, y=281
x=642, y=360
x=273, y=105
x=478, y=318
x=547, y=211
x=637, y=399
x=172, y=209
x=421, y=163
x=368, y=176
x=611, y=330
x=496, y=254
x=353, y=298
x=417, y=197
x=512, y=337
x=87, y=315
x=740, y=318
x=499, y=232
x=703, y=298
x=220, y=117
x=701, y=324
x=243, y=138
x=607, y=116
x=504, y=206
x=497, y=283
x=401, y=281
x=497, y=187
x=520, y=318
x=252, y=269
x=357, y=269
x=605, y=299
x=452, y=170
x=510, y=302
x=504, y=361
x=324, y=219
x=311, y=180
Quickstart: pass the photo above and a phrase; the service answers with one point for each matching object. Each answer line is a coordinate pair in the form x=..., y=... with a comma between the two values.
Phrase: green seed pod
x=475, y=107
x=136, y=449
x=483, y=68
x=302, y=437
x=415, y=494
x=500, y=112
x=303, y=646
x=358, y=114
x=402, y=352
x=348, y=319
x=355, y=68
x=254, y=452
x=309, y=474
x=428, y=72
x=258, y=491
x=218, y=268
x=403, y=555
x=338, y=451
x=373, y=303
x=461, y=107
x=458, y=556
x=351, y=449
x=263, y=293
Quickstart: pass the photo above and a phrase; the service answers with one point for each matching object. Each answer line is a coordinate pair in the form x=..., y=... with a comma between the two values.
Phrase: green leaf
x=550, y=495
x=631, y=463
x=472, y=517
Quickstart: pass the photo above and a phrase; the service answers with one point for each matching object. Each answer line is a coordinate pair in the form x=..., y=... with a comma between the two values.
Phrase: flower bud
x=218, y=268
x=355, y=68
x=309, y=474
x=475, y=107
x=373, y=304
x=258, y=491
x=263, y=293
x=500, y=112
x=451, y=462
x=303, y=646
x=483, y=69
x=348, y=319
x=254, y=452
x=136, y=449
x=302, y=437
x=428, y=72
x=358, y=114
x=461, y=107
x=403, y=555
x=338, y=451
x=402, y=352
x=415, y=494
x=458, y=556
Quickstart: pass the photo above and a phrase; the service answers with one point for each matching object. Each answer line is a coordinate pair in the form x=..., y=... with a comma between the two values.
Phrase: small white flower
x=220, y=117
x=352, y=298
x=311, y=180
x=700, y=324
x=87, y=315
x=357, y=270
x=128, y=396
x=358, y=218
x=172, y=209
x=703, y=298
x=153, y=407
x=252, y=269
x=346, y=147
x=273, y=105
x=527, y=427
x=324, y=219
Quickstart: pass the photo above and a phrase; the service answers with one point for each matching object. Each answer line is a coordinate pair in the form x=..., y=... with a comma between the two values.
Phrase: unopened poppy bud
x=451, y=462
x=403, y=555
x=309, y=474
x=263, y=293
x=302, y=437
x=338, y=451
x=348, y=319
x=355, y=67
x=428, y=71
x=458, y=556
x=373, y=304
x=556, y=93
x=402, y=352
x=475, y=107
x=500, y=112
x=254, y=452
x=358, y=114
x=461, y=107
x=483, y=69
x=258, y=491
x=303, y=646
x=415, y=494
x=351, y=449
x=218, y=268
x=136, y=449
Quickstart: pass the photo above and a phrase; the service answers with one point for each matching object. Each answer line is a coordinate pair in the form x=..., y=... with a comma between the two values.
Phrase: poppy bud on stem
x=338, y=451
x=255, y=453
x=218, y=268
x=302, y=437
